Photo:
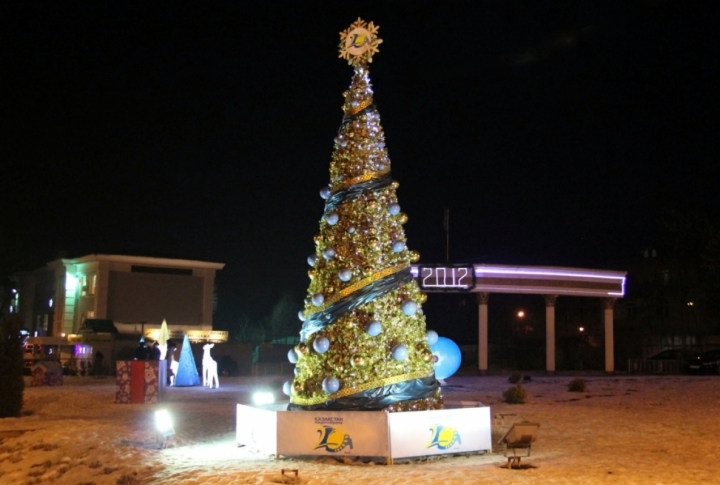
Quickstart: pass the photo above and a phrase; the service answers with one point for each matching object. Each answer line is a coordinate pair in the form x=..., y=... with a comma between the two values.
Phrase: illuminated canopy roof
x=482, y=278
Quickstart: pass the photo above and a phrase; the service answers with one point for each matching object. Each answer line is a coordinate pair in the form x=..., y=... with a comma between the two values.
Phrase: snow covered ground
x=623, y=430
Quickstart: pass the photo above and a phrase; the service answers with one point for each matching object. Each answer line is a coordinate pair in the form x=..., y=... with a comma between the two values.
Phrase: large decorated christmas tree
x=363, y=343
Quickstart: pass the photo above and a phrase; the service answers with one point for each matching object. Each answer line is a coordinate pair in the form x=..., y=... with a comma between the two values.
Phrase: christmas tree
x=187, y=374
x=363, y=343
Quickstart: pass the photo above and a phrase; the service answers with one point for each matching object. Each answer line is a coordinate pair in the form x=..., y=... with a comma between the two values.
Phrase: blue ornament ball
x=287, y=388
x=351, y=230
x=301, y=315
x=394, y=209
x=400, y=352
x=312, y=259
x=398, y=246
x=325, y=192
x=332, y=218
x=447, y=357
x=330, y=384
x=328, y=253
x=409, y=307
x=345, y=275
x=321, y=345
x=374, y=328
x=292, y=356
x=318, y=299
x=432, y=337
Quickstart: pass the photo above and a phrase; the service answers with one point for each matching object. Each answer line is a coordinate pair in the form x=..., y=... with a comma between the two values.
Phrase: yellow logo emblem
x=333, y=439
x=443, y=437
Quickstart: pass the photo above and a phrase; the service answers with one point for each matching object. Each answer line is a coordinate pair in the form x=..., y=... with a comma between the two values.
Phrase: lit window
x=71, y=283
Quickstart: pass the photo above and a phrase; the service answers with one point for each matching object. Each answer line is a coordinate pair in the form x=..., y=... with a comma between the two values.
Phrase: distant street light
x=520, y=313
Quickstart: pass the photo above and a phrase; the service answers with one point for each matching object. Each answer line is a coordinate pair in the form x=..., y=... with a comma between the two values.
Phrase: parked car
x=707, y=363
x=685, y=357
x=670, y=354
x=227, y=366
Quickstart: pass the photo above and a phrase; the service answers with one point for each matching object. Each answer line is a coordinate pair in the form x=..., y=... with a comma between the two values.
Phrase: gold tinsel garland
x=358, y=180
x=357, y=286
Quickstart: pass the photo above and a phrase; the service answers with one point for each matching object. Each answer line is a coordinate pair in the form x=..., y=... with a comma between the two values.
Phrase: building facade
x=135, y=292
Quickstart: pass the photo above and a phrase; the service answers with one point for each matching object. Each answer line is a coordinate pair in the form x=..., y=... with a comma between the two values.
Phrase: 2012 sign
x=446, y=277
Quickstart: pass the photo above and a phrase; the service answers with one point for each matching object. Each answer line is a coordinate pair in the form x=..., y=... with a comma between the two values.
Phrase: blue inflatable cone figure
x=187, y=374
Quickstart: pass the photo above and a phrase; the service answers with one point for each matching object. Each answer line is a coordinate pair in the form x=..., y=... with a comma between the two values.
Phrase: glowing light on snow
x=261, y=398
x=163, y=422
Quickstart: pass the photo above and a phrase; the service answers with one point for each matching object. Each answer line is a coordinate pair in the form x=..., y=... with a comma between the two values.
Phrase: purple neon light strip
x=539, y=290
x=481, y=270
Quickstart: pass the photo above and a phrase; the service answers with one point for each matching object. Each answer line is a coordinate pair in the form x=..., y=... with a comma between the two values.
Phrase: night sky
x=556, y=132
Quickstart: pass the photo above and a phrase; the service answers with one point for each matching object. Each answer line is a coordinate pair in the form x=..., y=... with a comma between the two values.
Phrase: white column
x=483, y=299
x=609, y=304
x=550, y=333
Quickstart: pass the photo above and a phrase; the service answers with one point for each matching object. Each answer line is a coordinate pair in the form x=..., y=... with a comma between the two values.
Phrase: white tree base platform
x=373, y=434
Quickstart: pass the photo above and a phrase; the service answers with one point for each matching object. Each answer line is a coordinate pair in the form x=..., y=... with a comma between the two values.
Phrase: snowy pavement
x=623, y=429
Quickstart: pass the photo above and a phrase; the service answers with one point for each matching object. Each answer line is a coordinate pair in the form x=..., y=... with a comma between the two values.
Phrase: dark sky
x=555, y=131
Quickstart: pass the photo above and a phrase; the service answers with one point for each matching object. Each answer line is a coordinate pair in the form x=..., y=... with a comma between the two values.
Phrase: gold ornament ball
x=357, y=360
x=297, y=387
x=311, y=273
x=427, y=356
x=423, y=298
x=367, y=270
x=301, y=348
x=403, y=218
x=414, y=256
x=373, y=242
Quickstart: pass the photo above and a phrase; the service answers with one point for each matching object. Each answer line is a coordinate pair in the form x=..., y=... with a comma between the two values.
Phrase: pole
x=446, y=224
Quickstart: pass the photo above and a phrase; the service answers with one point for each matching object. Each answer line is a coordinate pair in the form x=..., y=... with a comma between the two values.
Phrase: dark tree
x=11, y=368
x=283, y=320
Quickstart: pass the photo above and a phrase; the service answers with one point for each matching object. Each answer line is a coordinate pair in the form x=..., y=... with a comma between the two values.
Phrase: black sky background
x=556, y=132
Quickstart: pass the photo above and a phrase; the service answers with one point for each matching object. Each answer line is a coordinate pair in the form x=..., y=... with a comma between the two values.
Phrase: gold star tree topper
x=359, y=42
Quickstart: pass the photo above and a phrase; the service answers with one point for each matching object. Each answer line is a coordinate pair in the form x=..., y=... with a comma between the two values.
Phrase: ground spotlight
x=261, y=398
x=164, y=426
